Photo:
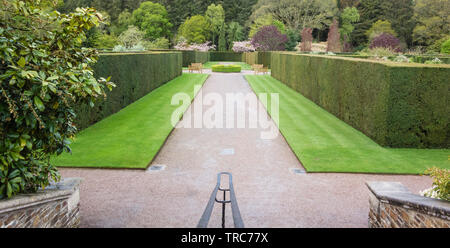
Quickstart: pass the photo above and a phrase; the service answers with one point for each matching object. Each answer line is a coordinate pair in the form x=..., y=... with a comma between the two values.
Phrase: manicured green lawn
x=323, y=143
x=133, y=136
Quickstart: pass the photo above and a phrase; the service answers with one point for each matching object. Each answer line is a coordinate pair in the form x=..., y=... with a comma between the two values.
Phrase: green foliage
x=44, y=73
x=160, y=43
x=222, y=39
x=390, y=103
x=377, y=52
x=225, y=56
x=293, y=39
x=215, y=16
x=398, y=13
x=124, y=20
x=348, y=17
x=153, y=19
x=434, y=61
x=298, y=14
x=226, y=68
x=380, y=27
x=190, y=57
x=432, y=21
x=195, y=29
x=441, y=182
x=131, y=37
x=235, y=32
x=105, y=41
x=135, y=75
x=445, y=47
x=266, y=20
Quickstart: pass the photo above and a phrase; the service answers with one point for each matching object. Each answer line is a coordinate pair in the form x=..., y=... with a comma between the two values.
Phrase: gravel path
x=268, y=192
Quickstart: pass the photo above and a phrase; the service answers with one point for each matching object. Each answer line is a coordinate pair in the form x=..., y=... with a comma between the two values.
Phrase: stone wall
x=392, y=205
x=56, y=206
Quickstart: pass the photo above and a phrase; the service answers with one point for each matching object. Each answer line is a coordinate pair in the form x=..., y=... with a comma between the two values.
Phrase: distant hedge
x=226, y=56
x=397, y=105
x=250, y=58
x=190, y=57
x=135, y=76
x=264, y=58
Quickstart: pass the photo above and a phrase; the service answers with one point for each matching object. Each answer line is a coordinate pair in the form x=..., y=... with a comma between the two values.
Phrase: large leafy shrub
x=441, y=183
x=386, y=40
x=380, y=27
x=269, y=38
x=445, y=47
x=153, y=19
x=44, y=72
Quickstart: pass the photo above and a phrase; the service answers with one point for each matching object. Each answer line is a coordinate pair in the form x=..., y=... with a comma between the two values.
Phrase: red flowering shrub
x=386, y=40
x=306, y=40
x=334, y=38
x=269, y=38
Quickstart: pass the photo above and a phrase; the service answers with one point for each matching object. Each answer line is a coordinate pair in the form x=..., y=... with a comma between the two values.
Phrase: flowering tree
x=306, y=40
x=269, y=38
x=334, y=38
x=243, y=46
x=204, y=47
x=386, y=40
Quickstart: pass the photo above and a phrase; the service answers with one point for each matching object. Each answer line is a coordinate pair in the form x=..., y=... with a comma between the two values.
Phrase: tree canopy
x=152, y=18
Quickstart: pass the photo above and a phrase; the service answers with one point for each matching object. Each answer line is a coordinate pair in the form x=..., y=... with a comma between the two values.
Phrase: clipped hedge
x=226, y=56
x=251, y=58
x=265, y=59
x=190, y=57
x=226, y=68
x=135, y=76
x=397, y=105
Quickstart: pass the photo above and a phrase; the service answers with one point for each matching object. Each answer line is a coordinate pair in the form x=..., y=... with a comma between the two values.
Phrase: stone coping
x=396, y=193
x=55, y=191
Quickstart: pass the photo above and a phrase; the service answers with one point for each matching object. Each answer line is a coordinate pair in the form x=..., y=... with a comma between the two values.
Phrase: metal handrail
x=237, y=219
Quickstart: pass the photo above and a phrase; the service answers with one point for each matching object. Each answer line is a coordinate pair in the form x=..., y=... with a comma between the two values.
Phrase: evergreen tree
x=370, y=11
x=399, y=13
x=222, y=39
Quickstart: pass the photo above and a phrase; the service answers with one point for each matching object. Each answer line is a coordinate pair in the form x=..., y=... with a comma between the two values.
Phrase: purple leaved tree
x=268, y=38
x=386, y=40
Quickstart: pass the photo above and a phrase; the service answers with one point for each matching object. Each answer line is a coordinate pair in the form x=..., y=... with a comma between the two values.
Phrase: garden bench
x=264, y=70
x=196, y=67
x=257, y=67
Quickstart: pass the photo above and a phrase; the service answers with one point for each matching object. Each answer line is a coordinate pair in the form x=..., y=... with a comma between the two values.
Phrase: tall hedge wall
x=135, y=76
x=190, y=57
x=395, y=105
x=226, y=56
x=264, y=58
x=251, y=58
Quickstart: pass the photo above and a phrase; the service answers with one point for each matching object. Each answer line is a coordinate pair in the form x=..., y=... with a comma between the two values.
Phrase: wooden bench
x=196, y=67
x=259, y=68
x=264, y=70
